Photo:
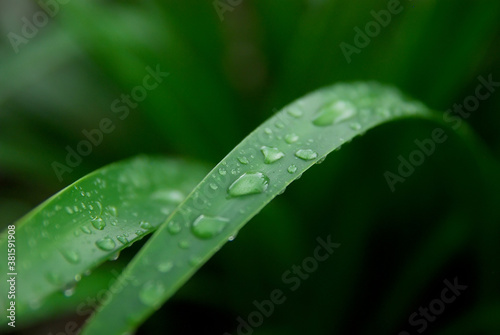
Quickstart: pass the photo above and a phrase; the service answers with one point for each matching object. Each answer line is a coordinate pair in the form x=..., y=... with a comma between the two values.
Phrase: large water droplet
x=249, y=183
x=151, y=294
x=306, y=154
x=106, y=244
x=271, y=155
x=174, y=227
x=205, y=227
x=71, y=256
x=334, y=112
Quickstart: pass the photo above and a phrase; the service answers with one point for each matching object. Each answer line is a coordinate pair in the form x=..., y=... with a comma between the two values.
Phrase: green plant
x=421, y=192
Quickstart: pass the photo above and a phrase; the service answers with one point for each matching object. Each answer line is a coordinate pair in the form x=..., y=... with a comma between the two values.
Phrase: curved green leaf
x=91, y=220
x=256, y=171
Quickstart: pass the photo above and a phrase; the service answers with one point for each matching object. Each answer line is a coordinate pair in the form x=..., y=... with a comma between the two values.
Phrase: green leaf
x=247, y=179
x=91, y=220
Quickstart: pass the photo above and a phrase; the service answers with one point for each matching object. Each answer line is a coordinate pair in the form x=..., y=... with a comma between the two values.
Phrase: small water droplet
x=222, y=171
x=205, y=227
x=279, y=125
x=291, y=138
x=321, y=160
x=184, y=244
x=122, y=239
x=214, y=186
x=355, y=126
x=106, y=244
x=71, y=256
x=249, y=183
x=165, y=266
x=271, y=155
x=243, y=160
x=114, y=256
x=146, y=225
x=292, y=169
x=112, y=210
x=334, y=112
x=174, y=227
x=194, y=261
x=294, y=112
x=306, y=154
x=268, y=131
x=151, y=294
x=69, y=210
x=98, y=224
x=69, y=292
x=86, y=230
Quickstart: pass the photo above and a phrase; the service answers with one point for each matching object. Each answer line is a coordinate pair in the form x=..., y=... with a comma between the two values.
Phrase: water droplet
x=334, y=112
x=291, y=138
x=271, y=155
x=165, y=266
x=151, y=294
x=112, y=210
x=249, y=183
x=69, y=210
x=213, y=186
x=268, y=131
x=173, y=196
x=321, y=160
x=106, y=244
x=294, y=112
x=98, y=223
x=279, y=125
x=54, y=278
x=222, y=171
x=174, y=227
x=69, y=292
x=114, y=256
x=146, y=225
x=45, y=223
x=71, y=256
x=122, y=239
x=355, y=126
x=243, y=160
x=184, y=244
x=205, y=227
x=306, y=154
x=194, y=261
x=292, y=169
x=86, y=230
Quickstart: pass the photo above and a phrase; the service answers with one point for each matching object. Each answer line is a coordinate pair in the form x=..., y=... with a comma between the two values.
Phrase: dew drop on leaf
x=271, y=155
x=334, y=112
x=151, y=294
x=291, y=138
x=205, y=227
x=174, y=227
x=249, y=183
x=165, y=266
x=71, y=256
x=106, y=244
x=306, y=154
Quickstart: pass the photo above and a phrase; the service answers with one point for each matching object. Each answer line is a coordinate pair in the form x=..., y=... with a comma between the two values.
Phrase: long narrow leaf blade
x=256, y=171
x=92, y=220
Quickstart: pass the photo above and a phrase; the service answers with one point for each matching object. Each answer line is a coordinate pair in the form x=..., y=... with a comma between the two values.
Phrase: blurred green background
x=231, y=65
